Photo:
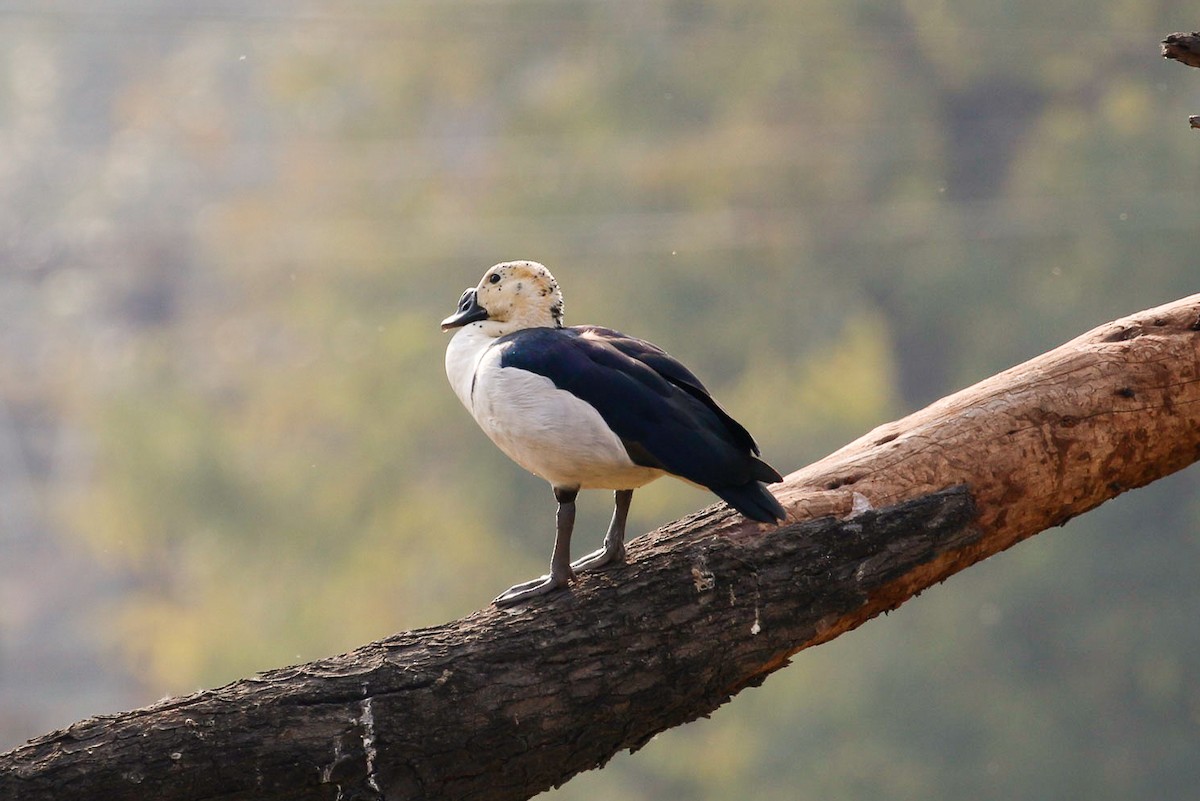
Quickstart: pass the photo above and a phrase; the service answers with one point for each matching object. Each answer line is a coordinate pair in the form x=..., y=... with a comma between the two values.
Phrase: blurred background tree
x=230, y=230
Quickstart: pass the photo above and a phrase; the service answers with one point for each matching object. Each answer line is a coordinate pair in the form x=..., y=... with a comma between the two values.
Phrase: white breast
x=462, y=358
x=546, y=430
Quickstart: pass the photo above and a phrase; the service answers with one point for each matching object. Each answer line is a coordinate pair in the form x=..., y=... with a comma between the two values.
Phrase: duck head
x=511, y=296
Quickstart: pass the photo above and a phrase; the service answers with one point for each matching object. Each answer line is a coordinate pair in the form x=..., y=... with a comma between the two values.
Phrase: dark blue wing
x=669, y=368
x=657, y=407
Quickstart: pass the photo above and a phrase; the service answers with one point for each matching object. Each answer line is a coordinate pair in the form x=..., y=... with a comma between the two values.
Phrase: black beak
x=469, y=311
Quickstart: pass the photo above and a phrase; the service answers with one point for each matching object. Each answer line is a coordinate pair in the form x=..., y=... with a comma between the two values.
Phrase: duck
x=587, y=407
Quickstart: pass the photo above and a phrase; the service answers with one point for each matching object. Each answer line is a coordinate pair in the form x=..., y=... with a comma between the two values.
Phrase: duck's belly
x=552, y=433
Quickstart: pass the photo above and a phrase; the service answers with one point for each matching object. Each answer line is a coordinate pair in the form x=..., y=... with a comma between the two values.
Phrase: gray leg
x=560, y=562
x=614, y=540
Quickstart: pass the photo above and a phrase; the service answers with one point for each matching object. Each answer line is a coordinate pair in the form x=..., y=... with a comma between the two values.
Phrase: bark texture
x=503, y=704
x=1184, y=48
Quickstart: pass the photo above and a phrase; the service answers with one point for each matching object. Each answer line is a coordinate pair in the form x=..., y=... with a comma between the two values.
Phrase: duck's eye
x=494, y=278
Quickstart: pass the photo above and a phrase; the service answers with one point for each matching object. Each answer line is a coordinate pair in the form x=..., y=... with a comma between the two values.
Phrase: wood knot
x=844, y=481
x=1122, y=333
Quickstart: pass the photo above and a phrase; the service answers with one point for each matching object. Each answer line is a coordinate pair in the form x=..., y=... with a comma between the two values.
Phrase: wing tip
x=765, y=473
x=754, y=501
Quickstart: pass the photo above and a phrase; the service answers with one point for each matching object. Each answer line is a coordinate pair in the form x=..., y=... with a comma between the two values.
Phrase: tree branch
x=503, y=704
x=1184, y=48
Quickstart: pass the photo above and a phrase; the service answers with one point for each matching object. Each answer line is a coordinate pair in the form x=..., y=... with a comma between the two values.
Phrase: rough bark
x=503, y=704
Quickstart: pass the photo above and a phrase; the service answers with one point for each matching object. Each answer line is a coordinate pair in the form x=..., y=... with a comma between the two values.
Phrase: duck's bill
x=469, y=311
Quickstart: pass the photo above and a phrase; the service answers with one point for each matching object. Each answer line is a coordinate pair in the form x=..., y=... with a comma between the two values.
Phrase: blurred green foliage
x=834, y=212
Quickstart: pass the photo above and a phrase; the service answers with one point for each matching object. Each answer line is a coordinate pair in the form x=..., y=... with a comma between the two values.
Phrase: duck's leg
x=614, y=540
x=560, y=561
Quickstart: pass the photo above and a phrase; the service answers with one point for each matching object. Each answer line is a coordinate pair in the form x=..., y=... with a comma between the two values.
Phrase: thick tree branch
x=503, y=704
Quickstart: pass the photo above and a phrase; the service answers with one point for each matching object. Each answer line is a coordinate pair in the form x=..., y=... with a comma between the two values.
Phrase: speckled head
x=512, y=296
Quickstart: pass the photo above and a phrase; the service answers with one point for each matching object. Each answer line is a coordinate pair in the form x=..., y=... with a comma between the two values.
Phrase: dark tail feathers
x=753, y=501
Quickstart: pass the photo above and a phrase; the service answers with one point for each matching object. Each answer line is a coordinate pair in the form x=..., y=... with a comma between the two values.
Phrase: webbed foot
x=614, y=552
x=532, y=588
x=614, y=540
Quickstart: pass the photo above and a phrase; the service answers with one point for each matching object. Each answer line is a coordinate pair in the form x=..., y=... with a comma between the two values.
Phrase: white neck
x=462, y=356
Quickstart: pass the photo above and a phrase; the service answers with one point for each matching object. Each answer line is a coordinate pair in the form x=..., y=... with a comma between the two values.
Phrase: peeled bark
x=503, y=704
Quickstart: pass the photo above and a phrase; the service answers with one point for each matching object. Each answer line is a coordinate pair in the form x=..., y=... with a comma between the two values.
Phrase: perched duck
x=586, y=407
